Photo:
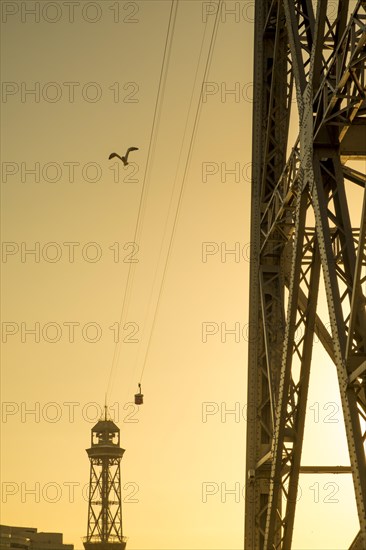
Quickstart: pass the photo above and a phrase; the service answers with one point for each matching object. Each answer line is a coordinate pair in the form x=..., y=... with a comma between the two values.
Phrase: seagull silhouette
x=124, y=159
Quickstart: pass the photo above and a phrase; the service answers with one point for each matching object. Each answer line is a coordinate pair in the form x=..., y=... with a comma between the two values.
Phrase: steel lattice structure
x=317, y=49
x=105, y=503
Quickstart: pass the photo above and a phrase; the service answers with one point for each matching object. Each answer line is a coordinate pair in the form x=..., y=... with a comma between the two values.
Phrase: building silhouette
x=28, y=538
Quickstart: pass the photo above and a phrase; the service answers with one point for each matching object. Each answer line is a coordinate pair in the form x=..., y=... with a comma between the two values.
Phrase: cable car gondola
x=139, y=397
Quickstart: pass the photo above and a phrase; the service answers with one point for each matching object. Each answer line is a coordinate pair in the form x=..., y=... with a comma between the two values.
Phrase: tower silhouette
x=105, y=503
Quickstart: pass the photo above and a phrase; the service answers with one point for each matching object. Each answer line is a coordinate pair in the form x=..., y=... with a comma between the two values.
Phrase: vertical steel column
x=270, y=129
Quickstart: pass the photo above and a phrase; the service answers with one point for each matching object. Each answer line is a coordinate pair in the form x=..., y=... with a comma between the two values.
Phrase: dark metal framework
x=301, y=228
x=105, y=503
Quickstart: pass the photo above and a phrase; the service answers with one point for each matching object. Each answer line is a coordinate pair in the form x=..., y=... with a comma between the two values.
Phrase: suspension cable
x=187, y=163
x=146, y=180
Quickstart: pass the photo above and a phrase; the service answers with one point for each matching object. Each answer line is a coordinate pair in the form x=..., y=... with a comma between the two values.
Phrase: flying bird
x=124, y=159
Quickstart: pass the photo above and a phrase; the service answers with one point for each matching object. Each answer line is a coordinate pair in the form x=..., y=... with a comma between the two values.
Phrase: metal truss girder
x=277, y=105
x=279, y=210
x=358, y=543
x=271, y=285
x=253, y=496
x=348, y=396
x=296, y=51
x=301, y=25
x=270, y=141
x=356, y=335
x=353, y=144
x=104, y=513
x=354, y=175
x=342, y=92
x=287, y=444
x=327, y=62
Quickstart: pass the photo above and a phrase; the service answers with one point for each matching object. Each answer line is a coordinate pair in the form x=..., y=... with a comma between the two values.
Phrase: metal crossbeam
x=298, y=44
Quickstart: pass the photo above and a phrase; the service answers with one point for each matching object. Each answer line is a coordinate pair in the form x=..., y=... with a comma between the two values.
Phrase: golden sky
x=94, y=70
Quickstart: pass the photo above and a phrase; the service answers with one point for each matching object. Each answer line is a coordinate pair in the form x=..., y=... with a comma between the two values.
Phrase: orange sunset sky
x=80, y=80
